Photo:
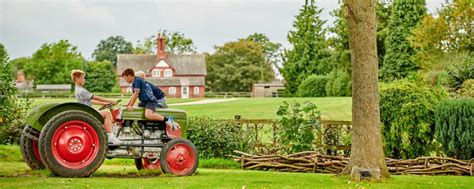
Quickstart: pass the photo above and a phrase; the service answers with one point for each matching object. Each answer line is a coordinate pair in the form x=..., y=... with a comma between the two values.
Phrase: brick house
x=179, y=76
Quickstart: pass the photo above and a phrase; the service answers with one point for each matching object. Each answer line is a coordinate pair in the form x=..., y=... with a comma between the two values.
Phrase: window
x=168, y=73
x=172, y=90
x=196, y=90
x=156, y=73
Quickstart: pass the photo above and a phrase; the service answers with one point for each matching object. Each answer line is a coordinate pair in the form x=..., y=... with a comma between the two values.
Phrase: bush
x=216, y=139
x=459, y=73
x=467, y=89
x=313, y=86
x=407, y=116
x=298, y=125
x=455, y=127
x=339, y=83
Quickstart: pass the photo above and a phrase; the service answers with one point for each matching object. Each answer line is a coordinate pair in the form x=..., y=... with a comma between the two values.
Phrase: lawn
x=333, y=108
x=16, y=174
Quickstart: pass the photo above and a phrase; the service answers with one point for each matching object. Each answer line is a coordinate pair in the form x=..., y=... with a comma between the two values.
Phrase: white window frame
x=156, y=73
x=196, y=90
x=172, y=90
x=168, y=73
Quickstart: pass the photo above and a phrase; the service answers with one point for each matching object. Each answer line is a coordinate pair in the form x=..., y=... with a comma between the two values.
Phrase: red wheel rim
x=176, y=133
x=152, y=164
x=75, y=144
x=34, y=144
x=180, y=159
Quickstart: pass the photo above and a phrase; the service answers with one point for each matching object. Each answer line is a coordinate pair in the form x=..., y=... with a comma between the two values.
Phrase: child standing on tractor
x=83, y=96
x=144, y=92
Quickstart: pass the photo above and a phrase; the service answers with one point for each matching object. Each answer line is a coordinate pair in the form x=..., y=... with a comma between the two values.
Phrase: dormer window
x=156, y=73
x=168, y=73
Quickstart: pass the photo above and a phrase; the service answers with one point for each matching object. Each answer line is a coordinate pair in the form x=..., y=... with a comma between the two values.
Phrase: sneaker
x=171, y=123
x=113, y=139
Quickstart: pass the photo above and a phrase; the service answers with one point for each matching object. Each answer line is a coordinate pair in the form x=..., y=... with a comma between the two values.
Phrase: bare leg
x=153, y=116
x=107, y=120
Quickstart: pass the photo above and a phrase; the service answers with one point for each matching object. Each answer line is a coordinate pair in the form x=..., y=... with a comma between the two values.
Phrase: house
x=179, y=76
x=273, y=89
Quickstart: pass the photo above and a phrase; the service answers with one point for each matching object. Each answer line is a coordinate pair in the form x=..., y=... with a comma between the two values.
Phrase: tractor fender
x=40, y=115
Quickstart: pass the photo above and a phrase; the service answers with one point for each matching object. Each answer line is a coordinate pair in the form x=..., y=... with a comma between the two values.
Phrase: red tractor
x=69, y=140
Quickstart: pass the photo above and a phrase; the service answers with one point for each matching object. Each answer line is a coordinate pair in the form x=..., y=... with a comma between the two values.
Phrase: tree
x=18, y=64
x=176, y=43
x=109, y=48
x=52, y=63
x=272, y=50
x=398, y=61
x=100, y=76
x=237, y=65
x=310, y=54
x=366, y=148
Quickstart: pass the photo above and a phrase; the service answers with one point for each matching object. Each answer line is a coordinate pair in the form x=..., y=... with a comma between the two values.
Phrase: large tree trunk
x=367, y=159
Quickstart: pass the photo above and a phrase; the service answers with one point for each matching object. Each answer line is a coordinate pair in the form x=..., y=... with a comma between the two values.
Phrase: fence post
x=274, y=134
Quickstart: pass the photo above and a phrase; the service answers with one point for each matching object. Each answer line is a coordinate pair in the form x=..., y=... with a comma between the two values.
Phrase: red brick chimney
x=161, y=46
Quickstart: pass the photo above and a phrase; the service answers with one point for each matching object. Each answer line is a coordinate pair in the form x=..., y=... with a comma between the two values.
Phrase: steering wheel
x=108, y=106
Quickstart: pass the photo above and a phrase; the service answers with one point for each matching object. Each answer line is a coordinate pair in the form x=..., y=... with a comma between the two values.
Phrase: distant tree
x=100, y=76
x=8, y=90
x=272, y=50
x=18, y=64
x=52, y=63
x=235, y=66
x=310, y=53
x=176, y=43
x=399, y=57
x=109, y=48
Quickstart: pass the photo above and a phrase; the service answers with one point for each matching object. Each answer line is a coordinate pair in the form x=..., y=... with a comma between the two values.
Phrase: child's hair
x=76, y=74
x=128, y=72
x=140, y=74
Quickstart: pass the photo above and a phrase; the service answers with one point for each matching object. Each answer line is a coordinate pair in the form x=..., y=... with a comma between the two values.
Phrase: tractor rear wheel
x=179, y=157
x=29, y=148
x=73, y=144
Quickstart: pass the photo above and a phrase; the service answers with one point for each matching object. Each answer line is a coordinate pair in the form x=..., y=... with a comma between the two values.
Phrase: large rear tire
x=179, y=157
x=29, y=148
x=73, y=144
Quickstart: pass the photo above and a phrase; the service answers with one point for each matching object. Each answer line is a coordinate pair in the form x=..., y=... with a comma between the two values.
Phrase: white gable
x=162, y=63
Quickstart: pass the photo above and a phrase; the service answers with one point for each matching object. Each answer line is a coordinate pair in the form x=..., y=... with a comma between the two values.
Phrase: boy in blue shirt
x=144, y=92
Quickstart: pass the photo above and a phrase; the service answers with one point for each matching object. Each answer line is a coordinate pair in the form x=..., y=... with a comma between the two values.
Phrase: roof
x=272, y=84
x=171, y=81
x=183, y=64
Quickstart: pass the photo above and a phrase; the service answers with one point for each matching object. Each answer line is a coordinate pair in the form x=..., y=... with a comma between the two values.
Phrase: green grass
x=333, y=108
x=120, y=173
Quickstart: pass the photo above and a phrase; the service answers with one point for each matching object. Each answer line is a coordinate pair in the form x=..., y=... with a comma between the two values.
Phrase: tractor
x=68, y=139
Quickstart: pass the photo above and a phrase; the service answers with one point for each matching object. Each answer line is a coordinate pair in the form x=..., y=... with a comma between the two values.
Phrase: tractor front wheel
x=147, y=164
x=179, y=157
x=73, y=144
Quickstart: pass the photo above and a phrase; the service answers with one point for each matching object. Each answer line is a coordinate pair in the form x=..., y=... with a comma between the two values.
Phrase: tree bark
x=366, y=149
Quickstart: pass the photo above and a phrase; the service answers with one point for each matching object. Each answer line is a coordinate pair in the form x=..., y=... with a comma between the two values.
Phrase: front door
x=184, y=92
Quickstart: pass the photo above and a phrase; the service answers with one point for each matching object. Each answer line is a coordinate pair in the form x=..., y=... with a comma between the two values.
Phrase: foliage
x=272, y=50
x=18, y=64
x=236, y=66
x=339, y=83
x=407, y=116
x=467, y=89
x=313, y=86
x=52, y=63
x=398, y=61
x=176, y=43
x=310, y=53
x=216, y=139
x=12, y=111
x=298, y=125
x=100, y=76
x=458, y=73
x=109, y=48
x=455, y=127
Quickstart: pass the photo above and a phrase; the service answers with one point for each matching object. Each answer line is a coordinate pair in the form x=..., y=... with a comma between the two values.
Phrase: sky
x=27, y=24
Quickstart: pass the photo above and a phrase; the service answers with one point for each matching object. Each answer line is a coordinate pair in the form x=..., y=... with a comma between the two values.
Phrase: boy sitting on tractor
x=83, y=96
x=144, y=92
x=160, y=95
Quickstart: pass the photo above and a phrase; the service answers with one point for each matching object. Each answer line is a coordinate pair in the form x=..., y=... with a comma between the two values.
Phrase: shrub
x=459, y=73
x=339, y=83
x=467, y=89
x=455, y=127
x=298, y=125
x=216, y=139
x=313, y=86
x=407, y=116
